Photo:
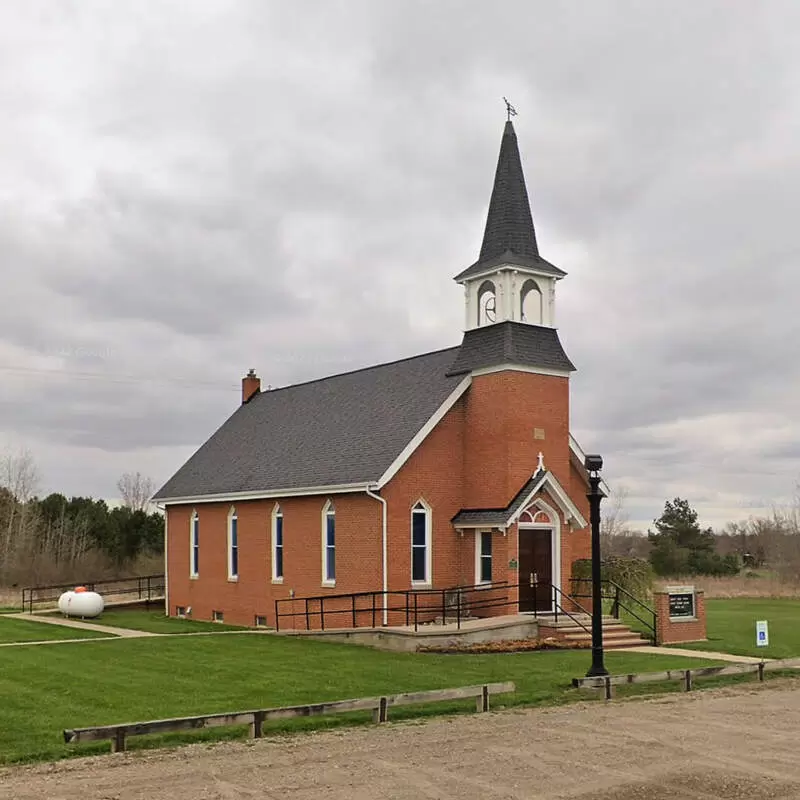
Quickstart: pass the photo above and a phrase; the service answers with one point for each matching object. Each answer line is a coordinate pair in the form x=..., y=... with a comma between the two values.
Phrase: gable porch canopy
x=541, y=480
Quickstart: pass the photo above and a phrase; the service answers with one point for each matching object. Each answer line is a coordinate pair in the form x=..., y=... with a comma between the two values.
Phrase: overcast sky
x=191, y=189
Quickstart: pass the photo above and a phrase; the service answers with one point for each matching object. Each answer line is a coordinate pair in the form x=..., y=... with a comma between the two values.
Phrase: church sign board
x=681, y=602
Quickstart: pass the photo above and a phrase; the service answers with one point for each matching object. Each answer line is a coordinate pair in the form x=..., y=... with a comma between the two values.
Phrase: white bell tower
x=510, y=281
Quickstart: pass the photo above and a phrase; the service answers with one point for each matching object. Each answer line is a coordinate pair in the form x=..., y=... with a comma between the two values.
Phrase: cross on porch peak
x=540, y=465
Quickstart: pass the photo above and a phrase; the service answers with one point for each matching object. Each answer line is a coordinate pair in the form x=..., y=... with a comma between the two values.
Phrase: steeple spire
x=509, y=225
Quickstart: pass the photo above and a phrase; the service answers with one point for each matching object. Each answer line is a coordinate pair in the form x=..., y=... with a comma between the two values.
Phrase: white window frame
x=328, y=510
x=277, y=515
x=194, y=544
x=232, y=515
x=479, y=556
x=420, y=508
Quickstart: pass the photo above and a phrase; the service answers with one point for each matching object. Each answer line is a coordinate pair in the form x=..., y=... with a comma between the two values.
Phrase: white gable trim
x=567, y=507
x=559, y=373
x=423, y=432
x=577, y=452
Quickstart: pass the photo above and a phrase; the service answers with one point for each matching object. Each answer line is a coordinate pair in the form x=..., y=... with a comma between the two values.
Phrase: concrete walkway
x=678, y=651
x=69, y=622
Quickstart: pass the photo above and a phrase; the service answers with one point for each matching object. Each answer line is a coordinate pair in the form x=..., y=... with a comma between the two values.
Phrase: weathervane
x=510, y=110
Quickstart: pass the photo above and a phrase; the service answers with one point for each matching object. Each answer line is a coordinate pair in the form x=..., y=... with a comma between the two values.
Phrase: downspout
x=384, y=554
x=166, y=560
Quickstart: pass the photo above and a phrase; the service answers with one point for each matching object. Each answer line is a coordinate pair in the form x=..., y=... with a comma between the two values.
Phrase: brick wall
x=675, y=631
x=480, y=454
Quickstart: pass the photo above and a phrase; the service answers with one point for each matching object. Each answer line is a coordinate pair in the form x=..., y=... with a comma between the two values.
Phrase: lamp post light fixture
x=594, y=464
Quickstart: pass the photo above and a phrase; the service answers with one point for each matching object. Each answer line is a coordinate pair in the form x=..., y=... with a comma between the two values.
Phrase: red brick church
x=447, y=469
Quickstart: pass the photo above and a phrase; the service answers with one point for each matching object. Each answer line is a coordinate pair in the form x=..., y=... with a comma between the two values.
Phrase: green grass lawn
x=44, y=690
x=731, y=627
x=20, y=630
x=156, y=622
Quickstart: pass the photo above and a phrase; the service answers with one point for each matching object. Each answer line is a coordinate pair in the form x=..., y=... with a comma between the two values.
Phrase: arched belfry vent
x=509, y=236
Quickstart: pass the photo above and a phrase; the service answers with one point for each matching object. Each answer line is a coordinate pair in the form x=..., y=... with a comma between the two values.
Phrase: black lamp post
x=593, y=466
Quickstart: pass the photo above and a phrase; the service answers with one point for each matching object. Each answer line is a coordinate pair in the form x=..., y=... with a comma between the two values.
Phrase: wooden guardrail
x=379, y=706
x=686, y=676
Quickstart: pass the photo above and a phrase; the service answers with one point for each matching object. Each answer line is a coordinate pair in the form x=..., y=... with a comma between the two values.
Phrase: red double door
x=535, y=570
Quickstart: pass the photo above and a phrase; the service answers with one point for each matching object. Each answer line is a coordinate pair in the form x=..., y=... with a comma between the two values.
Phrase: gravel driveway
x=726, y=743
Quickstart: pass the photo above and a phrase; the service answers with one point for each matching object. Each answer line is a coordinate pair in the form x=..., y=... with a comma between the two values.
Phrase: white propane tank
x=80, y=603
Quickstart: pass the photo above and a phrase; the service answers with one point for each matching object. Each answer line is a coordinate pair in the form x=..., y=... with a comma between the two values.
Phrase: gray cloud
x=189, y=192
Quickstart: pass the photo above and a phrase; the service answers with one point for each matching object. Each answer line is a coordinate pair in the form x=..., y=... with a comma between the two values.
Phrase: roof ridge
x=355, y=371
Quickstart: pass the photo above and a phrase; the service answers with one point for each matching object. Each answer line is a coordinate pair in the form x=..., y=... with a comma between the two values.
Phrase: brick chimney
x=251, y=385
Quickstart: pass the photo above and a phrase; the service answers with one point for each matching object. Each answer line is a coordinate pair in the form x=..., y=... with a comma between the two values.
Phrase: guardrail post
x=482, y=703
x=607, y=687
x=118, y=742
x=761, y=671
x=256, y=725
x=381, y=712
x=687, y=680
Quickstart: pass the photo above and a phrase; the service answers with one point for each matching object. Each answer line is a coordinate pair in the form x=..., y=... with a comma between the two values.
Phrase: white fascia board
x=342, y=488
x=577, y=451
x=423, y=432
x=568, y=508
x=512, y=268
x=518, y=368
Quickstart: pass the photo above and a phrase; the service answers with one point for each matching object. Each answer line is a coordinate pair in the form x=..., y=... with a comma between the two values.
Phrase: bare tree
x=617, y=538
x=19, y=477
x=135, y=490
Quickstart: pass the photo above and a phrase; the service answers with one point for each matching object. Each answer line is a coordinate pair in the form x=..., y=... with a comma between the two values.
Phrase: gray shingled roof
x=509, y=225
x=511, y=343
x=339, y=430
x=509, y=236
x=497, y=517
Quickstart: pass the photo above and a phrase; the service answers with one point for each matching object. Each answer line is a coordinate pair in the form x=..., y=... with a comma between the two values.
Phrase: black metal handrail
x=614, y=592
x=449, y=602
x=146, y=587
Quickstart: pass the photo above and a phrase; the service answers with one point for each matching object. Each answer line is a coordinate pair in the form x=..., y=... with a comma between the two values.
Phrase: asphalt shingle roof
x=343, y=429
x=510, y=342
x=497, y=517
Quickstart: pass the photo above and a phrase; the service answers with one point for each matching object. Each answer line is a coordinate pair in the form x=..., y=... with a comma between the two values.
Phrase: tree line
x=678, y=545
x=58, y=538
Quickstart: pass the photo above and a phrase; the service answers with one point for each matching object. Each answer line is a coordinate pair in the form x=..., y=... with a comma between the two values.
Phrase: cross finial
x=510, y=110
x=540, y=465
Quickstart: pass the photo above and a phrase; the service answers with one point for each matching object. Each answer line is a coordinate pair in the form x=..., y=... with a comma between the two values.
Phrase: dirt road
x=726, y=743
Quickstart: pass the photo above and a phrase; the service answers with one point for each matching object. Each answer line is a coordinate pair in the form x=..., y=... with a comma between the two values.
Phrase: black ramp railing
x=146, y=588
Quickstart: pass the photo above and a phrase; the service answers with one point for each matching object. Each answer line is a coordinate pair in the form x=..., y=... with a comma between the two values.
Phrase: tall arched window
x=487, y=303
x=329, y=544
x=233, y=545
x=277, y=544
x=421, y=543
x=194, y=544
x=530, y=302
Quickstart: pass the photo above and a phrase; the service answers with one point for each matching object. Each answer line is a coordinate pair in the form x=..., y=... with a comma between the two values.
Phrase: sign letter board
x=681, y=602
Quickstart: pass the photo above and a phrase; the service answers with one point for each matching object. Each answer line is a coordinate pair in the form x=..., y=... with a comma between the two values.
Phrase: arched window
x=329, y=544
x=487, y=303
x=530, y=302
x=277, y=544
x=233, y=545
x=194, y=544
x=421, y=543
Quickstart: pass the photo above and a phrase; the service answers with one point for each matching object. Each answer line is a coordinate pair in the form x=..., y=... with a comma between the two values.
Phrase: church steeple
x=509, y=224
x=510, y=281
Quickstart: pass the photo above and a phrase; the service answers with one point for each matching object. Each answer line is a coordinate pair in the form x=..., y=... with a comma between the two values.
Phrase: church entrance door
x=535, y=569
